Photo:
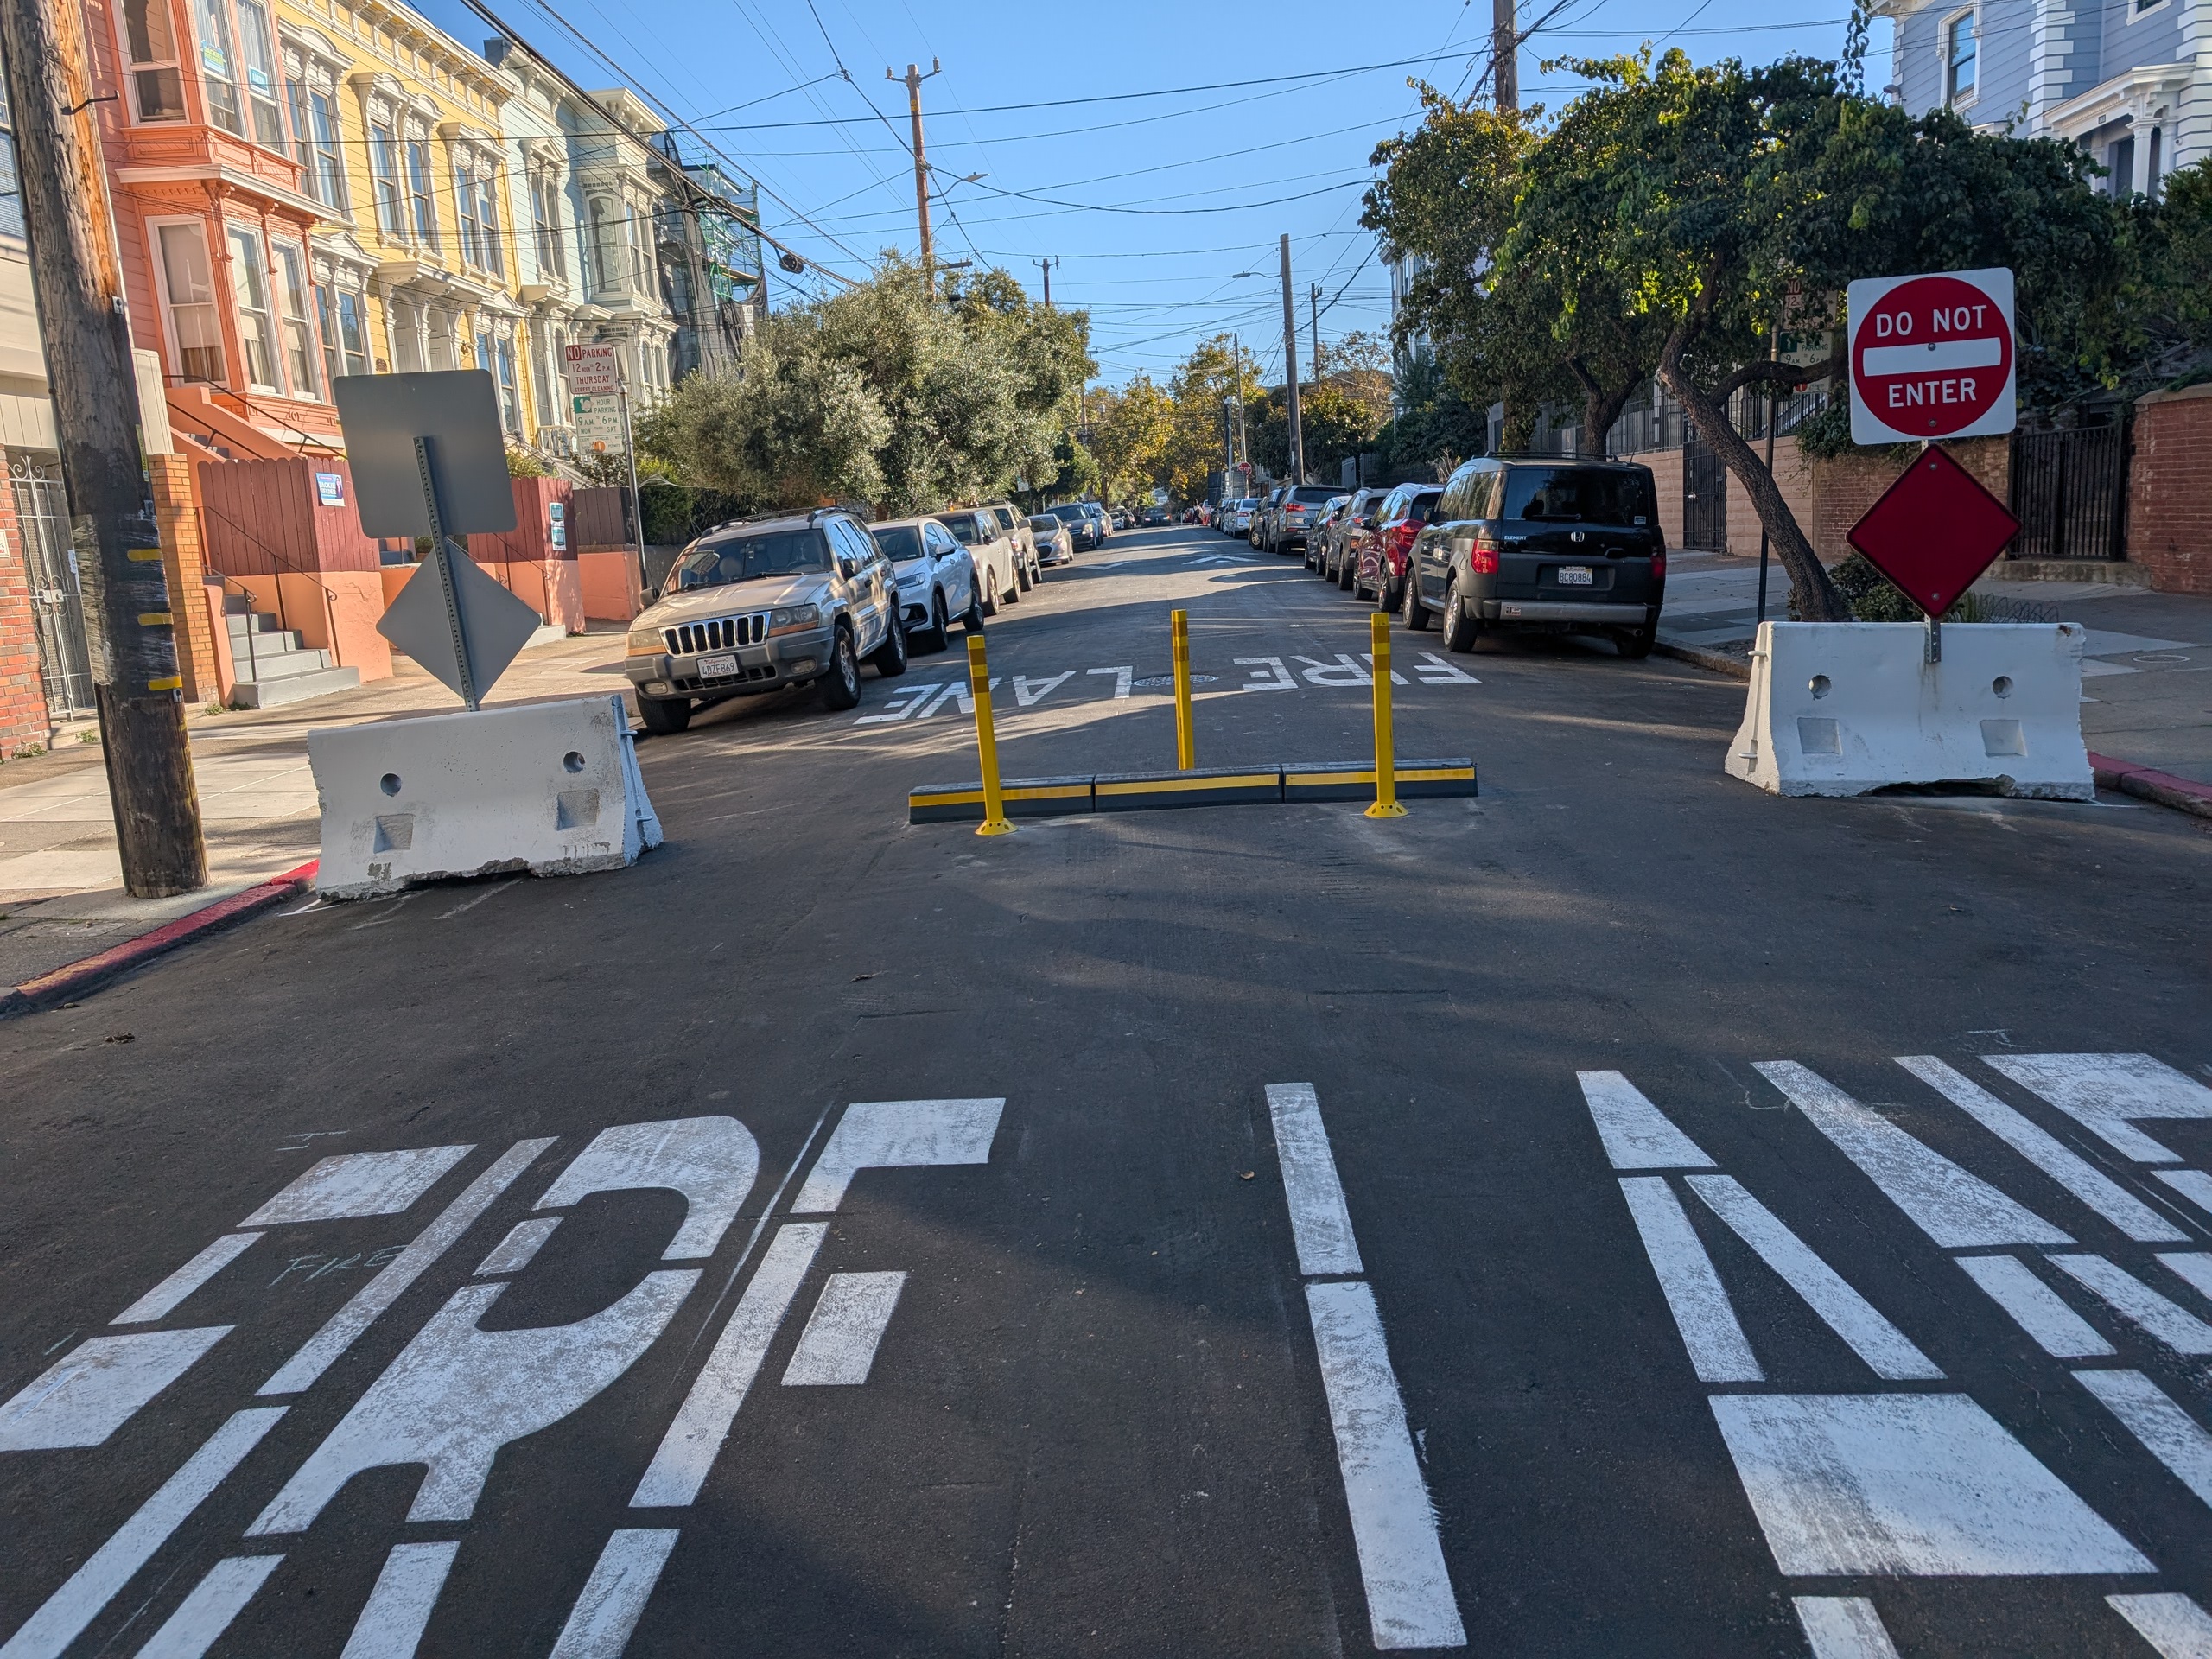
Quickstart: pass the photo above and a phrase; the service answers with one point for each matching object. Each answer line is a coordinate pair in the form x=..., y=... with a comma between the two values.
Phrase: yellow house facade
x=397, y=128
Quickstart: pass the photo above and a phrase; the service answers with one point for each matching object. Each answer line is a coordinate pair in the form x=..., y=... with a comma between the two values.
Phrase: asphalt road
x=1078, y=1349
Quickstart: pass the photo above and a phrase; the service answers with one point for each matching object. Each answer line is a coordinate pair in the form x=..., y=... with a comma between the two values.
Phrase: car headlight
x=794, y=616
x=645, y=642
x=913, y=578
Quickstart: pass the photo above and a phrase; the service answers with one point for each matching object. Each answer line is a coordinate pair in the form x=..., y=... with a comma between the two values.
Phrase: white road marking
x=398, y=1610
x=688, y=1450
x=100, y=1386
x=63, y=1617
x=1319, y=1225
x=2035, y=1307
x=613, y=1598
x=1027, y=691
x=1718, y=1350
x=162, y=1300
x=458, y=1393
x=2192, y=1184
x=2195, y=1266
x=1844, y=1627
x=1120, y=678
x=2047, y=1152
x=902, y=703
x=1432, y=670
x=2168, y=1432
x=1637, y=1134
x=1913, y=1484
x=2106, y=1093
x=1276, y=679
x=1956, y=1209
x=838, y=1345
x=2133, y=1301
x=898, y=1135
x=1344, y=671
x=524, y=1240
x=1368, y=656
x=358, y=1184
x=2174, y=1624
x=470, y=903
x=205, y=1614
x=344, y=1328
x=1409, y=1599
x=711, y=1161
x=1842, y=1309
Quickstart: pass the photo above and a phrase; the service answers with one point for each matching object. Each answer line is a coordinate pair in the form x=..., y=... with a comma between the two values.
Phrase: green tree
x=1199, y=391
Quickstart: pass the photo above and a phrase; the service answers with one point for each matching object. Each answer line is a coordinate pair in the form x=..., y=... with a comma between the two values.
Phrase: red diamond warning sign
x=1933, y=531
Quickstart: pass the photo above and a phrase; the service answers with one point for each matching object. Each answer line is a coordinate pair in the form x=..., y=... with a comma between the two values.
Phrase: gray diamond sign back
x=469, y=646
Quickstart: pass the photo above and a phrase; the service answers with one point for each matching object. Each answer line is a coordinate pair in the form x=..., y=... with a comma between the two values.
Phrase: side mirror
x=847, y=568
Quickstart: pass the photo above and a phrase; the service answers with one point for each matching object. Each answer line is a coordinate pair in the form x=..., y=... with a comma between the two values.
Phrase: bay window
x=422, y=203
x=309, y=89
x=341, y=316
x=258, y=55
x=383, y=170
x=250, y=292
x=149, y=50
x=510, y=394
x=218, y=67
x=298, y=332
x=188, y=292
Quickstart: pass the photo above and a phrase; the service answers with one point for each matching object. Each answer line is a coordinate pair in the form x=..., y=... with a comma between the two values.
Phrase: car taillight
x=1402, y=536
x=1481, y=558
x=1659, y=564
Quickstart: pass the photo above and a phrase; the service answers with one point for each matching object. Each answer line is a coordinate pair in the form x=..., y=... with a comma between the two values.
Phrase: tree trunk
x=1600, y=409
x=1814, y=594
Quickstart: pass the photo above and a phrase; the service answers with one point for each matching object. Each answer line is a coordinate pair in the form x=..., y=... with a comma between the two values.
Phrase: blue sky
x=1153, y=204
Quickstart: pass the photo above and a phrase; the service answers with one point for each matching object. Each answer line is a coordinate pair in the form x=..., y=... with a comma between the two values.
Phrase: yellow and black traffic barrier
x=1354, y=780
x=1179, y=639
x=1386, y=781
x=987, y=741
x=1132, y=791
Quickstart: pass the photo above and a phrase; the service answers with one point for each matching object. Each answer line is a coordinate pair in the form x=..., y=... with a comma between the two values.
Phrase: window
x=541, y=383
x=259, y=54
x=149, y=44
x=510, y=394
x=1958, y=52
x=250, y=286
x=314, y=139
x=602, y=247
x=488, y=214
x=217, y=67
x=445, y=341
x=423, y=207
x=195, y=328
x=474, y=183
x=464, y=196
x=384, y=174
x=11, y=191
x=545, y=225
x=2120, y=156
x=299, y=333
x=342, y=317
x=406, y=338
x=1579, y=495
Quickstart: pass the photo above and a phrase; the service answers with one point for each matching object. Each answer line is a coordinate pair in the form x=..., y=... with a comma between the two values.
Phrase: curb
x=94, y=972
x=2149, y=783
x=1719, y=662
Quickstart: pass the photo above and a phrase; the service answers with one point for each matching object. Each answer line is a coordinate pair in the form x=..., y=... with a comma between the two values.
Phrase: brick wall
x=2169, y=505
x=184, y=561
x=1793, y=476
x=1844, y=487
x=22, y=696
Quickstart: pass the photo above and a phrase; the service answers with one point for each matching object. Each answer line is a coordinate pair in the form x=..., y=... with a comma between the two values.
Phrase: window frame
x=172, y=335
x=137, y=71
x=296, y=329
x=420, y=182
x=1945, y=32
x=249, y=272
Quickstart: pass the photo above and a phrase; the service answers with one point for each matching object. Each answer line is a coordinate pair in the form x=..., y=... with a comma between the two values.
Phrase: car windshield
x=1045, y=523
x=1005, y=516
x=900, y=543
x=1579, y=495
x=749, y=559
x=1312, y=496
x=962, y=526
x=1067, y=511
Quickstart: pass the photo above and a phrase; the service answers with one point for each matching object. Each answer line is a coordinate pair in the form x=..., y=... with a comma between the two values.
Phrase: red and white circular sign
x=1932, y=357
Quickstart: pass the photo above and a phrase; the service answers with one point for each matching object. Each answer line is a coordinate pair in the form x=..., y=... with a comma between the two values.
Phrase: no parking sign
x=1932, y=357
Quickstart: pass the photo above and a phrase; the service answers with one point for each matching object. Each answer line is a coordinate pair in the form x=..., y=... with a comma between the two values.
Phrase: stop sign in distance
x=1931, y=357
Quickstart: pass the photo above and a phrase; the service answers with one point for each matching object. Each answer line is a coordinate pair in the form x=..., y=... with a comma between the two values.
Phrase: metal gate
x=1705, y=499
x=2069, y=492
x=57, y=603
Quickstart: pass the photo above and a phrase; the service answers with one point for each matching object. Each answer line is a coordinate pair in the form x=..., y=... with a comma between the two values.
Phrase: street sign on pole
x=598, y=421
x=594, y=370
x=1932, y=357
x=1933, y=531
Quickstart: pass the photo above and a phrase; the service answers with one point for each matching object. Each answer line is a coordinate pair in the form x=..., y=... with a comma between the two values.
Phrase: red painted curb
x=2149, y=783
x=96, y=970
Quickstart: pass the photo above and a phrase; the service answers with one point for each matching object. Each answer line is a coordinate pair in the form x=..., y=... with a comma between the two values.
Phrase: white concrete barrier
x=1843, y=707
x=552, y=788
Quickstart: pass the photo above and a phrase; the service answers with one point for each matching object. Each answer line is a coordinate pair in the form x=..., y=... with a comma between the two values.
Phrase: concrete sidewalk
x=2142, y=699
x=62, y=895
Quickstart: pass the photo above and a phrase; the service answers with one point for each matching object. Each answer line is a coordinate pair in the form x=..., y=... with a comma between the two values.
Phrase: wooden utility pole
x=1290, y=368
x=69, y=225
x=914, y=78
x=1314, y=305
x=1504, y=55
x=1045, y=266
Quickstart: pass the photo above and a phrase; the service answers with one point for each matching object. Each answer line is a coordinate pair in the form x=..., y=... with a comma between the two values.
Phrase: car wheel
x=1013, y=586
x=1022, y=579
x=1635, y=644
x=1413, y=612
x=664, y=716
x=1460, y=629
x=890, y=658
x=987, y=594
x=971, y=619
x=841, y=686
x=940, y=633
x=1347, y=569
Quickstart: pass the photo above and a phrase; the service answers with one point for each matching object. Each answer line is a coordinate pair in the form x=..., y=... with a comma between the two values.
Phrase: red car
x=1384, y=553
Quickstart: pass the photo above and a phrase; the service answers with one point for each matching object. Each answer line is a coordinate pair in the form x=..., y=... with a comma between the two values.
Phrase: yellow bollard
x=1386, y=759
x=987, y=741
x=1186, y=745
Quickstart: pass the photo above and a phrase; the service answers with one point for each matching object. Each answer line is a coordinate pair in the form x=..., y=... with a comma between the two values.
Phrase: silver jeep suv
x=793, y=599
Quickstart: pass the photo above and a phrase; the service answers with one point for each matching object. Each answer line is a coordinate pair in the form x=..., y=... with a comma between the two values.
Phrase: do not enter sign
x=1931, y=357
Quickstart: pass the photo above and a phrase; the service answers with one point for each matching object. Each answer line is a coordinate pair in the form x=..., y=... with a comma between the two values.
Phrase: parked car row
x=1545, y=546
x=818, y=591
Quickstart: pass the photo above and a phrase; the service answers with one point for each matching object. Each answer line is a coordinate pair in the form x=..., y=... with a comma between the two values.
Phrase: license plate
x=718, y=668
x=1574, y=576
